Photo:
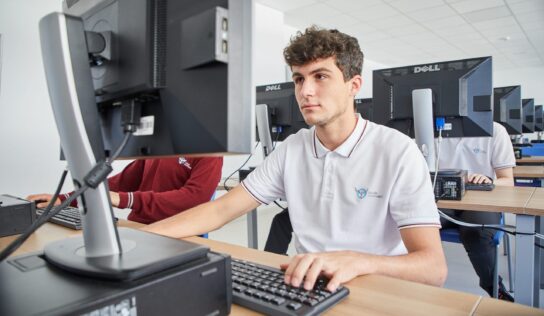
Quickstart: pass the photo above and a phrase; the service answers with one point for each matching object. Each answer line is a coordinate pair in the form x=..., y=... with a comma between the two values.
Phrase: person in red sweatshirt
x=158, y=188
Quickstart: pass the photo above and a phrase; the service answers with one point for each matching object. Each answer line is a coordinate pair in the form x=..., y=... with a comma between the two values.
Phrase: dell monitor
x=539, y=126
x=365, y=108
x=148, y=60
x=528, y=122
x=461, y=92
x=507, y=108
x=284, y=114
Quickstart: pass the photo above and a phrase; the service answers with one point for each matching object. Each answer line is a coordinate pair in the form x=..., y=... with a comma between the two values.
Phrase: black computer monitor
x=539, y=125
x=284, y=114
x=507, y=108
x=462, y=93
x=364, y=107
x=528, y=122
x=146, y=58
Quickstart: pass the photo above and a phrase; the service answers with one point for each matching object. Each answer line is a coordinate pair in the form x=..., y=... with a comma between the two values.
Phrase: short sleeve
x=503, y=152
x=412, y=200
x=266, y=182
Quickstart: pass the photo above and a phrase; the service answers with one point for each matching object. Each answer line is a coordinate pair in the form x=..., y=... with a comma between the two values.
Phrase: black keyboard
x=69, y=217
x=262, y=289
x=479, y=186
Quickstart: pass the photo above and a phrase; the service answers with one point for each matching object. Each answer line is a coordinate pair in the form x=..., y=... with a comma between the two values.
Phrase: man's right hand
x=42, y=199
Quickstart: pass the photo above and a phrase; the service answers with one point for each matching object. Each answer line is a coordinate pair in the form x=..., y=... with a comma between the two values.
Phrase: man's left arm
x=424, y=263
x=505, y=176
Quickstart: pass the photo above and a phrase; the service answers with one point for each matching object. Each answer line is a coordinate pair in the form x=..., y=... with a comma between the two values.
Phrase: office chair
x=452, y=235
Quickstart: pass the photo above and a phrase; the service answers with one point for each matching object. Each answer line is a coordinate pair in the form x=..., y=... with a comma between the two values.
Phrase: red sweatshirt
x=158, y=188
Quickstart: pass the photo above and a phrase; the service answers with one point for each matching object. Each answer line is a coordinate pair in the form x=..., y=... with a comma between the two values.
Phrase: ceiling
x=407, y=32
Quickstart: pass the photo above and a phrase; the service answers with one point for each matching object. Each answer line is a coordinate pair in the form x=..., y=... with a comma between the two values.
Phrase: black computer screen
x=284, y=115
x=462, y=93
x=364, y=107
x=507, y=108
x=156, y=55
x=539, y=126
x=528, y=122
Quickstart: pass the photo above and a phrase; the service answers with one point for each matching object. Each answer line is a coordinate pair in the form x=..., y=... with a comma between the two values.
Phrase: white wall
x=29, y=145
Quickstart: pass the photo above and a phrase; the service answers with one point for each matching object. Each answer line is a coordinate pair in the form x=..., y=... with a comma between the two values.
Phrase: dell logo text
x=273, y=87
x=426, y=68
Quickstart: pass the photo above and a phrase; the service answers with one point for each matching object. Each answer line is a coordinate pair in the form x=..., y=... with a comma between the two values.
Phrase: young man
x=359, y=194
x=485, y=158
x=158, y=188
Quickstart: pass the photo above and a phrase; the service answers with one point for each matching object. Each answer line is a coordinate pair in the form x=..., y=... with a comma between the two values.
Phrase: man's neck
x=335, y=134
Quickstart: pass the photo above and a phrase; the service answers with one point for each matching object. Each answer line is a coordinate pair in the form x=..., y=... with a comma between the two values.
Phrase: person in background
x=155, y=189
x=487, y=159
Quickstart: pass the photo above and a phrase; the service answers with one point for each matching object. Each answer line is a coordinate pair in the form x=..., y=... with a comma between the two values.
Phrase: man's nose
x=307, y=88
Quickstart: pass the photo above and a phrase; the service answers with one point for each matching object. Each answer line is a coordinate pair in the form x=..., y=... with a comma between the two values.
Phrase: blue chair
x=452, y=235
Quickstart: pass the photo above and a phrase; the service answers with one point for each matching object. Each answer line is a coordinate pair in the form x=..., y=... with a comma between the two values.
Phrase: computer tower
x=31, y=286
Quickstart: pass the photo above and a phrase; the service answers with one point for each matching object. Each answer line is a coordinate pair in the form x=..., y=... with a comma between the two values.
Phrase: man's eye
x=298, y=80
x=321, y=76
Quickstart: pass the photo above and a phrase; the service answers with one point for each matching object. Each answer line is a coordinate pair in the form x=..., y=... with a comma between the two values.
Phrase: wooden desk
x=535, y=205
x=491, y=307
x=533, y=172
x=371, y=294
x=534, y=160
x=501, y=199
x=512, y=200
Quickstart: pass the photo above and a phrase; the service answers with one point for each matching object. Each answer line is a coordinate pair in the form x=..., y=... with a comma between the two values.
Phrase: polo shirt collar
x=347, y=146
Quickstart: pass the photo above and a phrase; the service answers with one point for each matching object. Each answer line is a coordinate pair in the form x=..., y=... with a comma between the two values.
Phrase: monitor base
x=143, y=254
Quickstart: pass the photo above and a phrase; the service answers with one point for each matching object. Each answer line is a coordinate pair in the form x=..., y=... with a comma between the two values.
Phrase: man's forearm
x=419, y=266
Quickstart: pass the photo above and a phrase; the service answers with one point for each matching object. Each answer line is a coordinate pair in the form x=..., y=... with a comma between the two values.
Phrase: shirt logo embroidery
x=182, y=161
x=361, y=193
x=477, y=150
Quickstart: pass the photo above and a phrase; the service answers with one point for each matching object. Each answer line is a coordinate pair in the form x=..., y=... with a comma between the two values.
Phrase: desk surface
x=529, y=172
x=535, y=206
x=371, y=294
x=501, y=199
x=531, y=160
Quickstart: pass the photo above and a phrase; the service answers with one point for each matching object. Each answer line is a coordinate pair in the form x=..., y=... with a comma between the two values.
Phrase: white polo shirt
x=482, y=155
x=356, y=197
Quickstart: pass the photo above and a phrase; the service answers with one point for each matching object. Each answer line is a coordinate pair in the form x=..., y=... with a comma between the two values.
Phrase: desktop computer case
x=31, y=286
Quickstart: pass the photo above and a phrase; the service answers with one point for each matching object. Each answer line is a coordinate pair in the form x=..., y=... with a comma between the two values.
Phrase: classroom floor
x=461, y=275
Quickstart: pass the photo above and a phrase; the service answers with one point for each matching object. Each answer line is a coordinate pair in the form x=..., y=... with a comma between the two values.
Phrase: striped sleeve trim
x=421, y=225
x=252, y=194
x=505, y=165
x=130, y=202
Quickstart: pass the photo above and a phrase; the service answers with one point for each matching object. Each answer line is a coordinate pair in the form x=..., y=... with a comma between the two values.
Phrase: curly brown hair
x=316, y=43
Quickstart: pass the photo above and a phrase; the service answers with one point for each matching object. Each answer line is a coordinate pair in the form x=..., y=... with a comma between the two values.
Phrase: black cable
x=49, y=212
x=230, y=175
x=121, y=147
x=283, y=208
x=38, y=223
x=539, y=246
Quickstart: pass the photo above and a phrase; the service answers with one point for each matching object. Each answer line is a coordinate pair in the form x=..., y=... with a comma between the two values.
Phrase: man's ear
x=355, y=85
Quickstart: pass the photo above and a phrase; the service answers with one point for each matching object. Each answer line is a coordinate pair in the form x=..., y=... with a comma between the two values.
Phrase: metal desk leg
x=526, y=291
x=252, y=229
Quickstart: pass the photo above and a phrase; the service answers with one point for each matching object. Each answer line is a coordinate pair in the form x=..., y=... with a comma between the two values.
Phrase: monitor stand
x=422, y=101
x=101, y=252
